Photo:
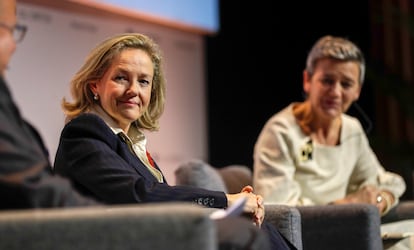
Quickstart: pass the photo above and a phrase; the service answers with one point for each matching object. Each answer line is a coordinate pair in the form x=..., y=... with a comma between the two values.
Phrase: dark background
x=255, y=64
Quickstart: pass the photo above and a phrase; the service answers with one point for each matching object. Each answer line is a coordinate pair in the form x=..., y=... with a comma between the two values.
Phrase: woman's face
x=125, y=89
x=333, y=87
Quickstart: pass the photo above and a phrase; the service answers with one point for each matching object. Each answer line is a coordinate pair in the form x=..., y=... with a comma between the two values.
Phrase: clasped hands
x=254, y=206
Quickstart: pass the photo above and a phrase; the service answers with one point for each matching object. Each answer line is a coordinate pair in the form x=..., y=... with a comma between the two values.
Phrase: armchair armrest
x=288, y=220
x=148, y=226
x=404, y=210
x=351, y=226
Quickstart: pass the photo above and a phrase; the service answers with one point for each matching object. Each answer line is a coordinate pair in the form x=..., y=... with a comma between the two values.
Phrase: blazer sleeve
x=100, y=164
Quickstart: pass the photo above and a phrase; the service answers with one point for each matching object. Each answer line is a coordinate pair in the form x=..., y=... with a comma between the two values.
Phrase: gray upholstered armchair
x=341, y=227
x=173, y=226
x=231, y=180
x=353, y=226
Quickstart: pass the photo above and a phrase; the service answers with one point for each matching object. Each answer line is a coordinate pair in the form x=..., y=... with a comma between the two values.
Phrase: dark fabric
x=404, y=210
x=341, y=227
x=287, y=220
x=277, y=240
x=101, y=165
x=239, y=234
x=25, y=172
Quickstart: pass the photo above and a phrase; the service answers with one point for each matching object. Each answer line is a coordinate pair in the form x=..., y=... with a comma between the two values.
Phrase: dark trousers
x=241, y=234
x=276, y=239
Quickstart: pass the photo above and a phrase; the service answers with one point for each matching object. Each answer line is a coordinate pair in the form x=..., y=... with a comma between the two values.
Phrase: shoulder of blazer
x=89, y=125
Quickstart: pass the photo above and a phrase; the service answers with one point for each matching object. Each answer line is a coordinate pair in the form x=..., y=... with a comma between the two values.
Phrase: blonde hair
x=97, y=63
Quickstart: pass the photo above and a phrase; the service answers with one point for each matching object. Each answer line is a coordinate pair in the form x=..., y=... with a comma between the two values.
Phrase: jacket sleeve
x=384, y=179
x=274, y=165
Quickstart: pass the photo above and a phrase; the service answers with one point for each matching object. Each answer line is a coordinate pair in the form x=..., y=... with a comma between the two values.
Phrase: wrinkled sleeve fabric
x=382, y=178
x=274, y=163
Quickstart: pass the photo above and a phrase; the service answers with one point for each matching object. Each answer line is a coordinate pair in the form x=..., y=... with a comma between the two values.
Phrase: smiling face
x=125, y=89
x=333, y=87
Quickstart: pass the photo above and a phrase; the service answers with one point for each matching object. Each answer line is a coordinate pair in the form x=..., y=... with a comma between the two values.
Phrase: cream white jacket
x=290, y=168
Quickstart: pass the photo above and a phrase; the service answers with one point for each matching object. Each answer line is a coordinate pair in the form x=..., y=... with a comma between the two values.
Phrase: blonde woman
x=119, y=93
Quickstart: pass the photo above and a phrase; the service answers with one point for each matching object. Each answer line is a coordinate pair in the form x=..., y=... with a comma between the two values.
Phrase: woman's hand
x=258, y=217
x=370, y=194
x=253, y=207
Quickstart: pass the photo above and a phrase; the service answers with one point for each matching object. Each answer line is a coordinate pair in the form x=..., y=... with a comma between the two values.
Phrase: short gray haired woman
x=312, y=152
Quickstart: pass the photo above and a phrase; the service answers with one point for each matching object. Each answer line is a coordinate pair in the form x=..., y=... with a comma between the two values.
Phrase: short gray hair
x=338, y=48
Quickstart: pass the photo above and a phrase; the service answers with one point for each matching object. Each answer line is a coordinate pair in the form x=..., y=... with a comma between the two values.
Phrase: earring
x=95, y=97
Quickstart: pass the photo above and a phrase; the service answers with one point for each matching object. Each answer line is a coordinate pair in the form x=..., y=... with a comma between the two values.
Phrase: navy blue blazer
x=100, y=164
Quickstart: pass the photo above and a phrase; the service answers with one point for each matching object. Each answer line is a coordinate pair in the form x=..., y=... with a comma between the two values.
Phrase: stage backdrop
x=54, y=48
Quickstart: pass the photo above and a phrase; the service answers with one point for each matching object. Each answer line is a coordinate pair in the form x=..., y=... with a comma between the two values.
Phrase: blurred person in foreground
x=25, y=170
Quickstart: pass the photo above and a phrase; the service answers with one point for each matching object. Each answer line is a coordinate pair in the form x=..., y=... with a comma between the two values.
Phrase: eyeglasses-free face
x=18, y=31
